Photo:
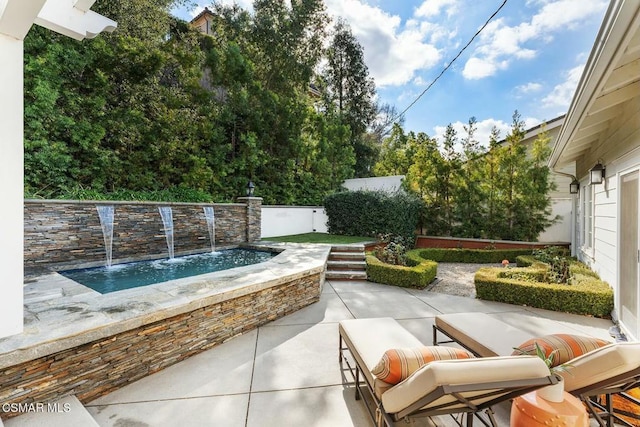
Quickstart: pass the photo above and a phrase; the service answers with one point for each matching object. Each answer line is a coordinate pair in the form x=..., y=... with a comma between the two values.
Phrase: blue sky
x=529, y=58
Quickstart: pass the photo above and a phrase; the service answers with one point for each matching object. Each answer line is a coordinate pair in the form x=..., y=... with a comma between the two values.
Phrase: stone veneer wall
x=97, y=368
x=62, y=233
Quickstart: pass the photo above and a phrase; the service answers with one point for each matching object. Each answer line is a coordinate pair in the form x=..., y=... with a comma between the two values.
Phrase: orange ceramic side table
x=531, y=410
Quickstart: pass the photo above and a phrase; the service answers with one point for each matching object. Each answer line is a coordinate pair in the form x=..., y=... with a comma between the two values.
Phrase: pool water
x=136, y=274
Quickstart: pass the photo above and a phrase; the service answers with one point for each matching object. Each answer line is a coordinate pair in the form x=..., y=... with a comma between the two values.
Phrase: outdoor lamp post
x=597, y=173
x=250, y=187
x=574, y=187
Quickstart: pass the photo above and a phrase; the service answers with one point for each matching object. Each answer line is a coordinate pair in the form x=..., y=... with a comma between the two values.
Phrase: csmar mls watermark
x=35, y=407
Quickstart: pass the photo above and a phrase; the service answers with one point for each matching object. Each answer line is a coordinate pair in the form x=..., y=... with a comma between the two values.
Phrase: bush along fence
x=472, y=256
x=372, y=213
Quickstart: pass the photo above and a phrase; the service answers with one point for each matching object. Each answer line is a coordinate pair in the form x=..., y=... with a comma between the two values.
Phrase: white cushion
x=601, y=364
x=461, y=371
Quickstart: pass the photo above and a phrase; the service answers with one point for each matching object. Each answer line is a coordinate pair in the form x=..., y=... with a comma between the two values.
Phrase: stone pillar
x=254, y=217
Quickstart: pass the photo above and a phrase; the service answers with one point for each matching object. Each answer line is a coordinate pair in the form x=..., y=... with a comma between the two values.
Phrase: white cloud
x=501, y=43
x=478, y=68
x=392, y=53
x=419, y=81
x=561, y=94
x=528, y=88
x=430, y=8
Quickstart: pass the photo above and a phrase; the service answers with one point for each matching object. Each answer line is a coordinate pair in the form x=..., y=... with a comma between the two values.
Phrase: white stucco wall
x=11, y=185
x=288, y=220
x=560, y=231
x=382, y=183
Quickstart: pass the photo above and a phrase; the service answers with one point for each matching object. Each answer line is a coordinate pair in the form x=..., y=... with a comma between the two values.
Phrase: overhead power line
x=450, y=63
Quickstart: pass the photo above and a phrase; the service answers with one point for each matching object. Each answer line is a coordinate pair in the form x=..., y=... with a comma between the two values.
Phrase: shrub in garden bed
x=417, y=274
x=472, y=256
x=584, y=294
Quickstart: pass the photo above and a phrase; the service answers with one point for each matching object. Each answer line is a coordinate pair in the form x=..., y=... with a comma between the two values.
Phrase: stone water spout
x=107, y=213
x=211, y=225
x=167, y=220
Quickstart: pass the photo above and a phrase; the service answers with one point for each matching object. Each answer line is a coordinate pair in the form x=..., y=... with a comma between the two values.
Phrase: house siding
x=619, y=151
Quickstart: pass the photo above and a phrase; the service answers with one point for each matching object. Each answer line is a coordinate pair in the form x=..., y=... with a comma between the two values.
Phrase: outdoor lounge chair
x=593, y=377
x=462, y=386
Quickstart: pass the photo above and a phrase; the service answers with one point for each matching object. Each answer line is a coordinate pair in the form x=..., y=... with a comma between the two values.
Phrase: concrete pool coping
x=61, y=314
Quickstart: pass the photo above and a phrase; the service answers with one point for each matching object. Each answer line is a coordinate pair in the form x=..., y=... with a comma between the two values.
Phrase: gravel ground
x=456, y=278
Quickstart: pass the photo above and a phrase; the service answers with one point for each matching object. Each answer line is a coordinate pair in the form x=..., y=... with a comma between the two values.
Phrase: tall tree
x=537, y=185
x=395, y=154
x=351, y=91
x=469, y=207
x=493, y=221
x=512, y=162
x=449, y=174
x=382, y=125
x=424, y=179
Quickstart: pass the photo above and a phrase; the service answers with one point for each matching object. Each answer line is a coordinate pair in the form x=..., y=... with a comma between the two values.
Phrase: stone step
x=347, y=248
x=65, y=412
x=346, y=256
x=333, y=265
x=346, y=275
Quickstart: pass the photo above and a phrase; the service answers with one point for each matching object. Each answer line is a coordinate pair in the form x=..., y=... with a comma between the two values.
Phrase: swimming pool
x=135, y=274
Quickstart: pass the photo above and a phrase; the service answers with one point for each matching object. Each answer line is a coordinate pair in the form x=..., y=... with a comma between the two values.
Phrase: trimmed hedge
x=371, y=213
x=472, y=256
x=418, y=275
x=585, y=295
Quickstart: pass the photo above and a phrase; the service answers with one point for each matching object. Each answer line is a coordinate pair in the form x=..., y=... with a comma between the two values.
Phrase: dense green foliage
x=373, y=213
x=418, y=275
x=471, y=256
x=497, y=193
x=158, y=106
x=586, y=293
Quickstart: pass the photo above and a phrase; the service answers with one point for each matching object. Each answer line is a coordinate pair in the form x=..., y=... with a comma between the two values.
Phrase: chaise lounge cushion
x=601, y=365
x=398, y=363
x=481, y=333
x=368, y=339
x=566, y=346
x=490, y=371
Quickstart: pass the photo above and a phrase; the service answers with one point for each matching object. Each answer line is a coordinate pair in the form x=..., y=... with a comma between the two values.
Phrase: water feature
x=142, y=273
x=167, y=220
x=211, y=225
x=107, y=213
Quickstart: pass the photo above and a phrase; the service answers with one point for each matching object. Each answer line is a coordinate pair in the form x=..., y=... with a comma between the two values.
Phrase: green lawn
x=320, y=238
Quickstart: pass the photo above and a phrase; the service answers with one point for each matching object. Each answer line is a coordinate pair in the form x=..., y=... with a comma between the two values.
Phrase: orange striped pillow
x=399, y=363
x=569, y=346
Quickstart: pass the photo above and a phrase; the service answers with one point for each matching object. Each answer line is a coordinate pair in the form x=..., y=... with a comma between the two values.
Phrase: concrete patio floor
x=286, y=372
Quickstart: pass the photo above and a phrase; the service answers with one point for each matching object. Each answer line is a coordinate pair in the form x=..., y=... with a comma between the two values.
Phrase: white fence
x=287, y=220
x=390, y=184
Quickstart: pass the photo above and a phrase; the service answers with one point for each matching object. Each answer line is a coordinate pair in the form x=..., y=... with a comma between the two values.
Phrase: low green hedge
x=419, y=274
x=472, y=256
x=586, y=294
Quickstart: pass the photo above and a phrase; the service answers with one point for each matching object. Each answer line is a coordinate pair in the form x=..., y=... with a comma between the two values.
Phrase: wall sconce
x=597, y=173
x=574, y=187
x=250, y=187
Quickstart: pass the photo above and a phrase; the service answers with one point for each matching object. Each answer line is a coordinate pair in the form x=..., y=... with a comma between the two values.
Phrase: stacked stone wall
x=63, y=233
x=97, y=368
